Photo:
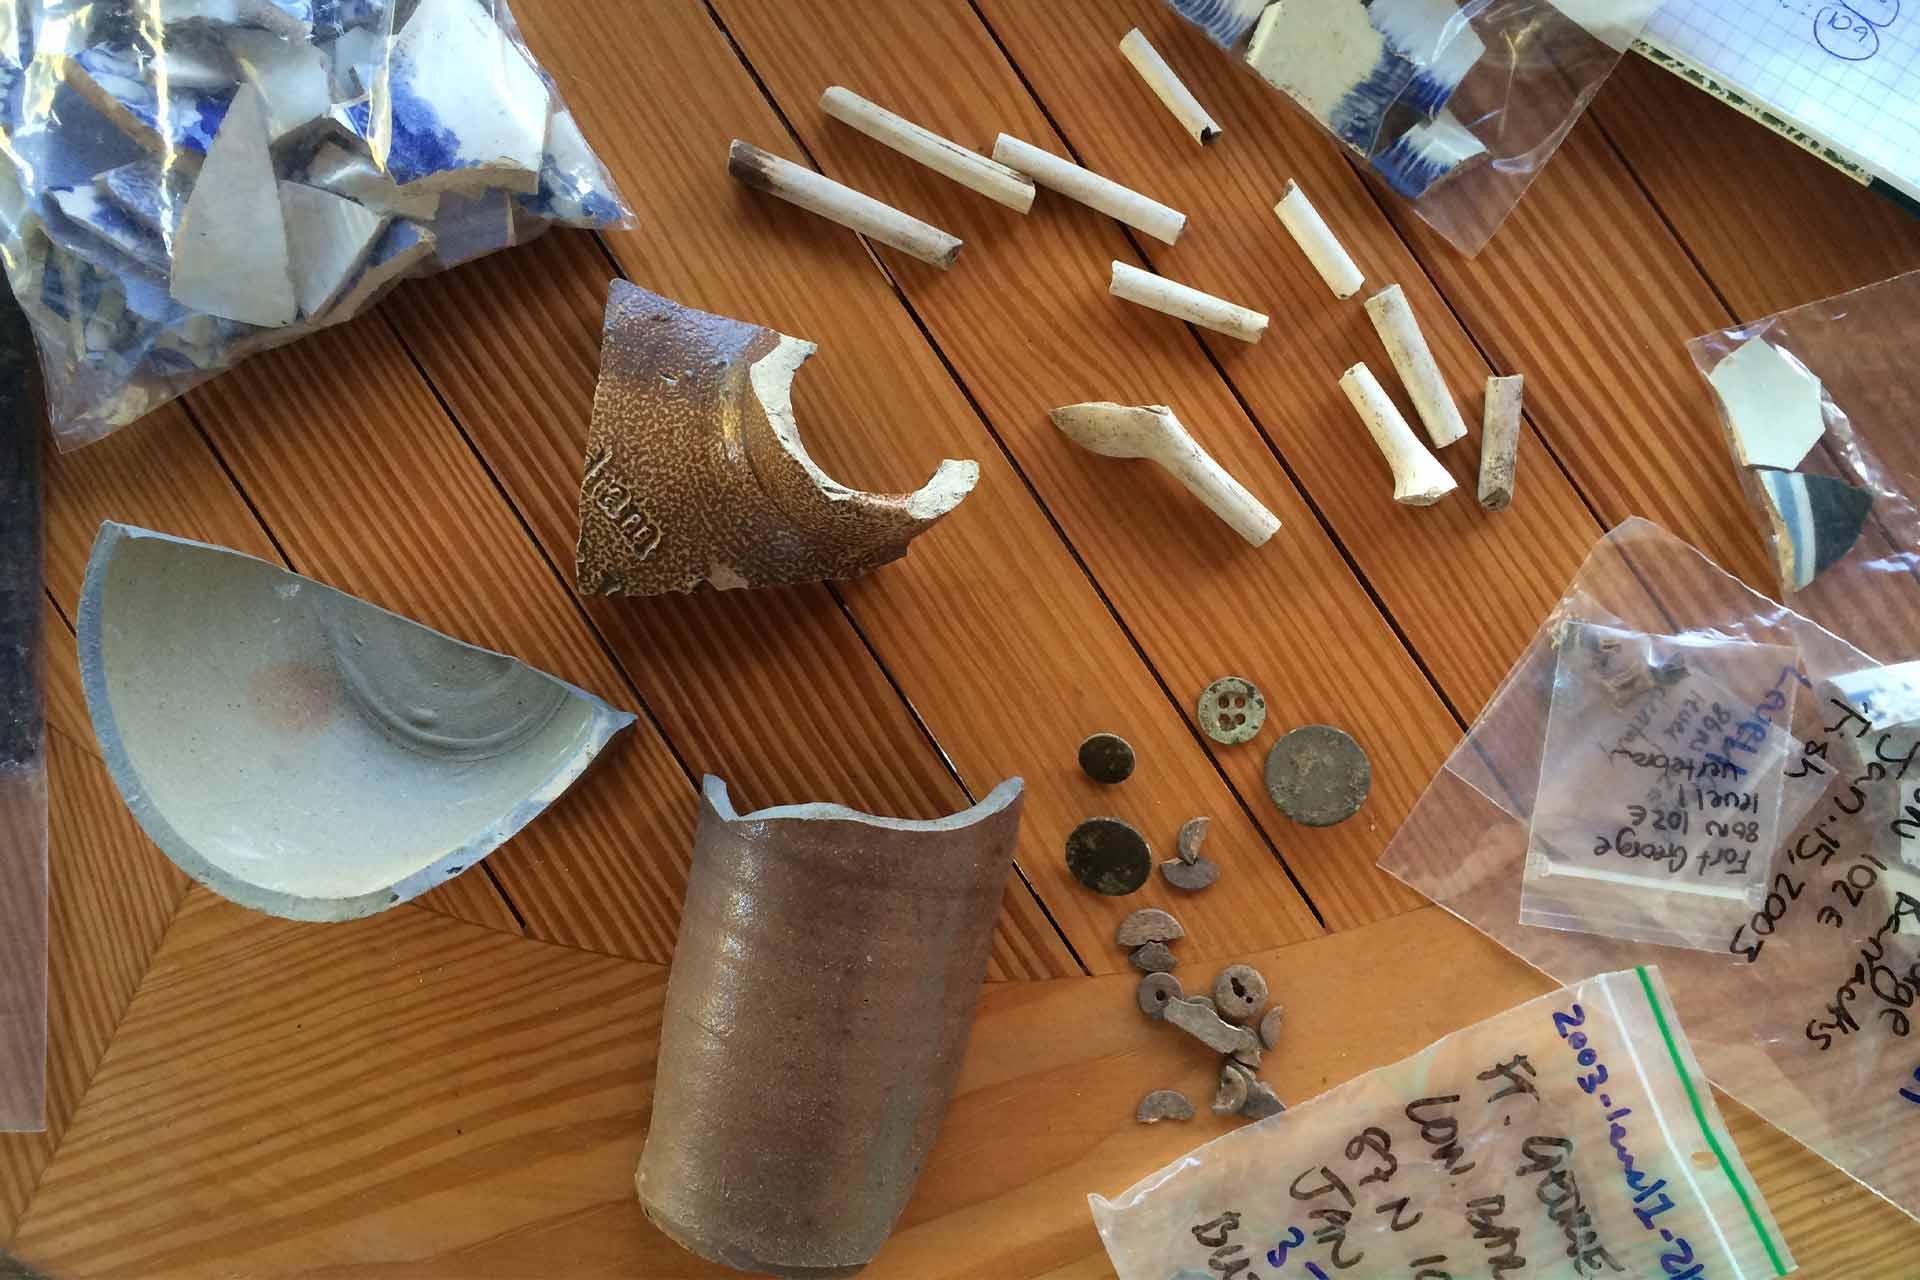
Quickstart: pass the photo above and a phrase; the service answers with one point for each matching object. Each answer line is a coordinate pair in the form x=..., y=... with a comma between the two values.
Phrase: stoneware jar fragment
x=822, y=991
x=695, y=473
x=303, y=752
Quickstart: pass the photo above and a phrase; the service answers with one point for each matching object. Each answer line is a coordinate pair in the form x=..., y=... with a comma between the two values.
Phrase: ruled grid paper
x=1846, y=73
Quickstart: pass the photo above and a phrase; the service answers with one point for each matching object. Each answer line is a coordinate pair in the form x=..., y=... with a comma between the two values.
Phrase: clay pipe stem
x=816, y=193
x=1323, y=249
x=1168, y=87
x=1407, y=348
x=949, y=159
x=1089, y=188
x=1152, y=432
x=1418, y=478
x=1500, y=441
x=1169, y=297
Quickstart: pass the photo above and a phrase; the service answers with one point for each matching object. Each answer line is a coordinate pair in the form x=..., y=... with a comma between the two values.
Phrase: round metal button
x=1108, y=856
x=1318, y=776
x=1107, y=757
x=1231, y=710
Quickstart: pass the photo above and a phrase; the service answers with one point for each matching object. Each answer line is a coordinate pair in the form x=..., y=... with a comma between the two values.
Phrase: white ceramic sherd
x=305, y=753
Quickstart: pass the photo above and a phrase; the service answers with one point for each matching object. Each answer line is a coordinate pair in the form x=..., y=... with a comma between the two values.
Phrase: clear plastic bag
x=1660, y=781
x=1805, y=1011
x=1573, y=1135
x=193, y=181
x=1454, y=104
x=1819, y=411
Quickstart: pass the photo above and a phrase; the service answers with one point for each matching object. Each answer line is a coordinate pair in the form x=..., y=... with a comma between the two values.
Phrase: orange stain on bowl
x=293, y=696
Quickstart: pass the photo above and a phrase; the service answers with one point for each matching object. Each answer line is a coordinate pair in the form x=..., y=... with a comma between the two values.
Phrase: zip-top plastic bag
x=192, y=181
x=1454, y=104
x=1571, y=1136
x=1806, y=1011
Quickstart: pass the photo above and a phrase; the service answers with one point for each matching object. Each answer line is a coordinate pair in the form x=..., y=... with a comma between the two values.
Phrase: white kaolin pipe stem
x=1407, y=348
x=1186, y=303
x=796, y=184
x=1500, y=441
x=1090, y=189
x=1418, y=478
x=1166, y=86
x=949, y=159
x=1316, y=239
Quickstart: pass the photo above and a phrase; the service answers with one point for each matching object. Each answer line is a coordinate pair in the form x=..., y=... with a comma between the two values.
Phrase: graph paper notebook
x=1840, y=78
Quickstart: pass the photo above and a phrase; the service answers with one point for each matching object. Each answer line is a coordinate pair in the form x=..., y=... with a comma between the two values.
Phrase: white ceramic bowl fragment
x=303, y=752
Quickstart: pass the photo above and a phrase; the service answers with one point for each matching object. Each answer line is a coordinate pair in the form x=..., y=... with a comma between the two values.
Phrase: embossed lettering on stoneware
x=695, y=472
x=305, y=753
x=822, y=991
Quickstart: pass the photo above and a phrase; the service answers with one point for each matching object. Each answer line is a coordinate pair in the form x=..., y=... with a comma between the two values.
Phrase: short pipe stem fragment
x=816, y=193
x=1407, y=347
x=1168, y=87
x=1500, y=441
x=1184, y=302
x=1418, y=478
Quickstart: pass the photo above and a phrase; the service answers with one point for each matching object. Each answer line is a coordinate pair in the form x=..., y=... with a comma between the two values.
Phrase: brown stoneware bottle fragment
x=695, y=473
x=821, y=996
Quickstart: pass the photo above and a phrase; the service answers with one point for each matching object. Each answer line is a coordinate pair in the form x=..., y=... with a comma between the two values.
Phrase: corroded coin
x=1107, y=757
x=1108, y=856
x=1318, y=776
x=1231, y=710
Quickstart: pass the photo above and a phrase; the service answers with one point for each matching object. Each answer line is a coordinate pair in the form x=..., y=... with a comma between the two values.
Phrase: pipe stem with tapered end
x=1152, y=432
x=1407, y=347
x=1418, y=478
x=1184, y=302
x=1316, y=239
x=1168, y=87
x=947, y=158
x=1089, y=188
x=1500, y=441
x=816, y=193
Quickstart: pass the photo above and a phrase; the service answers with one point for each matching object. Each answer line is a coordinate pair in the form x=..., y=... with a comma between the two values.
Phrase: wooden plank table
x=460, y=1087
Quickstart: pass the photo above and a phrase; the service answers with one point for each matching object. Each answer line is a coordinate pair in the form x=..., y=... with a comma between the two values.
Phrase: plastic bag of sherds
x=1455, y=104
x=1571, y=1136
x=192, y=181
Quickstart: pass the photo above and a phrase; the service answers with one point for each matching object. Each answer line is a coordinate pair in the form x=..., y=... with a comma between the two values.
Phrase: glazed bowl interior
x=303, y=741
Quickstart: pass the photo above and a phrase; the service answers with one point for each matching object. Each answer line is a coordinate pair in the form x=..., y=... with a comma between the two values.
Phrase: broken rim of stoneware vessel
x=695, y=473
x=821, y=995
x=303, y=752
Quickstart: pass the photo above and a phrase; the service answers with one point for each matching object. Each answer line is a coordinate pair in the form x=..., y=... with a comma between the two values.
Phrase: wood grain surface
x=460, y=1087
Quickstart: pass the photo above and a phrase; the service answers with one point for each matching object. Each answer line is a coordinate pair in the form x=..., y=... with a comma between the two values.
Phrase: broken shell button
x=1157, y=991
x=1239, y=993
x=1148, y=924
x=1108, y=856
x=1231, y=710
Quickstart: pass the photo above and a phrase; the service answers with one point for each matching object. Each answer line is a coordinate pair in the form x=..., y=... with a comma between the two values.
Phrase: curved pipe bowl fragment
x=821, y=996
x=300, y=751
x=695, y=472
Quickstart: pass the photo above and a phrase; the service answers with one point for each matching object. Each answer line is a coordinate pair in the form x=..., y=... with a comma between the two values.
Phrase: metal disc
x=1108, y=856
x=1231, y=710
x=1318, y=776
x=1107, y=757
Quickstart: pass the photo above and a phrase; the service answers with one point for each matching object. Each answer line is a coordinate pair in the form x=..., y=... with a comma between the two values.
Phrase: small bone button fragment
x=1183, y=302
x=1154, y=957
x=1816, y=520
x=1239, y=993
x=949, y=159
x=1191, y=876
x=1195, y=1016
x=1232, y=1092
x=1152, y=432
x=1418, y=478
x=1270, y=1026
x=696, y=474
x=1248, y=1057
x=1231, y=710
x=1089, y=188
x=1771, y=403
x=1500, y=441
x=1157, y=992
x=1108, y=856
x=1106, y=757
x=1262, y=1102
x=1163, y=1104
x=1407, y=347
x=1148, y=924
x=1316, y=239
x=1173, y=94
x=796, y=184
x=1318, y=775
x=1192, y=835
